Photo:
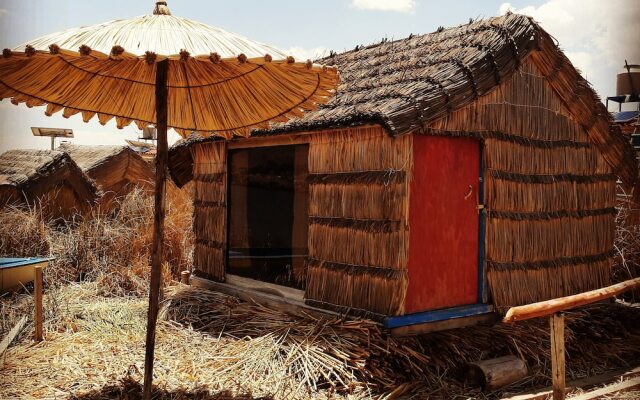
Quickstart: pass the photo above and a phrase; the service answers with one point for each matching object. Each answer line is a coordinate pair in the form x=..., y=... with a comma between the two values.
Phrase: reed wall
x=549, y=192
x=358, y=209
x=210, y=213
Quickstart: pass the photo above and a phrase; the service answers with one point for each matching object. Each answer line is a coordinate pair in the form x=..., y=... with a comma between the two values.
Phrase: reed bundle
x=210, y=209
x=360, y=250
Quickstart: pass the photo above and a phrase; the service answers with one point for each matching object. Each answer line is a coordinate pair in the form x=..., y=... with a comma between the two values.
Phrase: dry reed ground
x=210, y=345
x=215, y=346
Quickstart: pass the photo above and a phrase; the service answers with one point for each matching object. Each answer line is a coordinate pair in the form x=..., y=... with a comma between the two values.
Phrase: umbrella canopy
x=218, y=82
x=144, y=70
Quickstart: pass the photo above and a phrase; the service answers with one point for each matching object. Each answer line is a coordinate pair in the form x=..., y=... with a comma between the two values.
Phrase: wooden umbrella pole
x=162, y=68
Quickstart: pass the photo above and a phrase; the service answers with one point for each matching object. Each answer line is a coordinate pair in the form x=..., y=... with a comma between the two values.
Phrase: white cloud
x=403, y=6
x=597, y=36
x=303, y=54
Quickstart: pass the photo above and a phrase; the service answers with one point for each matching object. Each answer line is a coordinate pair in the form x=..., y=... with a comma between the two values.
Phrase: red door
x=443, y=223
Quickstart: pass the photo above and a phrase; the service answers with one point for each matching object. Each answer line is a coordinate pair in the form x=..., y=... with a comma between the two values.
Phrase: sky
x=596, y=35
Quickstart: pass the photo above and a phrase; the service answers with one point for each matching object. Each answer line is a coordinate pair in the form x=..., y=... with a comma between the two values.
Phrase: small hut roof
x=90, y=157
x=28, y=168
x=100, y=160
x=405, y=84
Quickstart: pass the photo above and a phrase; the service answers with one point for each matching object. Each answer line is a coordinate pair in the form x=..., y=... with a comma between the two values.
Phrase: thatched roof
x=109, y=165
x=37, y=171
x=405, y=84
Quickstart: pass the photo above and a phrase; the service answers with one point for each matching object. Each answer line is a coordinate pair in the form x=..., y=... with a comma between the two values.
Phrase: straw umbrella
x=169, y=72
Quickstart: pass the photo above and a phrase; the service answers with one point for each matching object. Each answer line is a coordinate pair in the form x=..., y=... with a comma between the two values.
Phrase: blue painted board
x=437, y=315
x=19, y=262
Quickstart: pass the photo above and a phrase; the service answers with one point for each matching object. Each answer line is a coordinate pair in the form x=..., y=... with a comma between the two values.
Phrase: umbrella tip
x=161, y=8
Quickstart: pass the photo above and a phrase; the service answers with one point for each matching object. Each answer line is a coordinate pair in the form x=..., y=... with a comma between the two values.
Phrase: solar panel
x=625, y=116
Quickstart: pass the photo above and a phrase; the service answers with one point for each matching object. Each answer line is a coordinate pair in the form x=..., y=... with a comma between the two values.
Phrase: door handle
x=466, y=196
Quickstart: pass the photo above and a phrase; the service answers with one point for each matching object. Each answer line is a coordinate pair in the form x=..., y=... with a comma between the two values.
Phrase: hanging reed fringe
x=210, y=212
x=513, y=287
x=352, y=287
x=387, y=177
x=366, y=225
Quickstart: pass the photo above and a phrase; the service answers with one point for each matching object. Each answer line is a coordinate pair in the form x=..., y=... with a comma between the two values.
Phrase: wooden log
x=38, y=290
x=548, y=307
x=161, y=91
x=496, y=373
x=556, y=323
x=15, y=331
x=184, y=277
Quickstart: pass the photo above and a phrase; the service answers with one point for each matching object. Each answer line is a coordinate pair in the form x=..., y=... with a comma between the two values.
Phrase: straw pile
x=627, y=261
x=213, y=345
x=112, y=249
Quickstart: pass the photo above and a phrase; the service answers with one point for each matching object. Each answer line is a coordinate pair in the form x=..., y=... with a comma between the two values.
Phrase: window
x=268, y=214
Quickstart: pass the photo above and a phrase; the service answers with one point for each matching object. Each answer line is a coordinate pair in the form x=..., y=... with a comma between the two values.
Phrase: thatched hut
x=45, y=178
x=115, y=169
x=461, y=169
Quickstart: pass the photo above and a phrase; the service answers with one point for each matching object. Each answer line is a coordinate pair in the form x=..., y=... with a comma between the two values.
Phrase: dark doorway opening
x=268, y=223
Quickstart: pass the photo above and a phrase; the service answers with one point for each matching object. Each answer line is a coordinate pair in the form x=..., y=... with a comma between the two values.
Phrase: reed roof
x=115, y=162
x=43, y=168
x=405, y=84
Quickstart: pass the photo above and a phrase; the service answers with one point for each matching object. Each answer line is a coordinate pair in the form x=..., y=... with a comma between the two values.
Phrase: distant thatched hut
x=469, y=167
x=45, y=178
x=115, y=169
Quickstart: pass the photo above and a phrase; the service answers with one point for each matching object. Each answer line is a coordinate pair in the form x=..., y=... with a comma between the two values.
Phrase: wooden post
x=37, y=283
x=184, y=277
x=556, y=322
x=162, y=68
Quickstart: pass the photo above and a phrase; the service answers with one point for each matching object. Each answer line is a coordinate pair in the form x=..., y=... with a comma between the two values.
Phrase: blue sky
x=585, y=29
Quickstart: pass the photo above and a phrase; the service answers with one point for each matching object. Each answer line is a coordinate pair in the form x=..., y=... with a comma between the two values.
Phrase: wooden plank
x=280, y=303
x=548, y=307
x=609, y=391
x=455, y=323
x=556, y=323
x=583, y=383
x=161, y=92
x=38, y=291
x=15, y=331
x=265, y=287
